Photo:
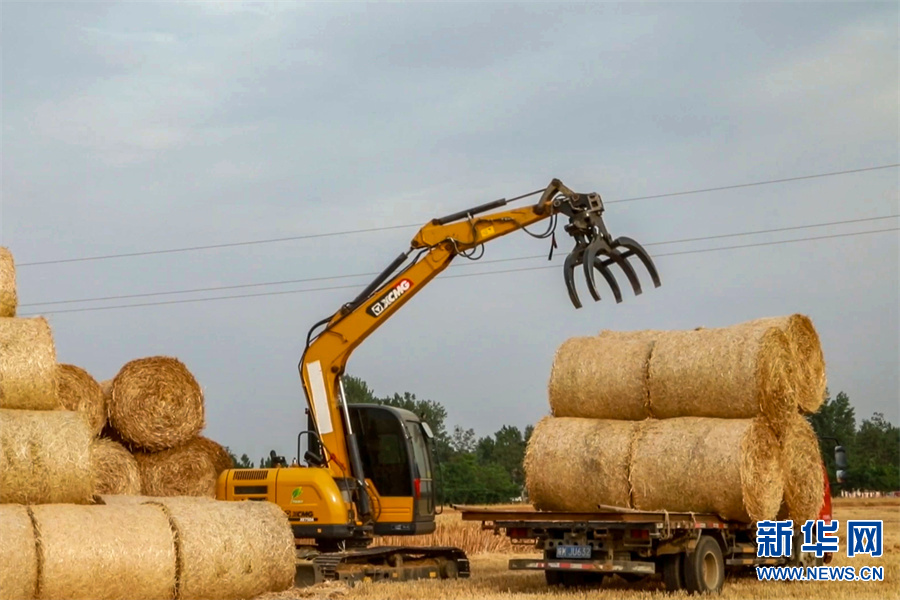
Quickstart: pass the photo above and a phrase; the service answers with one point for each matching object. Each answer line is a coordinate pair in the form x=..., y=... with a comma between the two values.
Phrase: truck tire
x=673, y=571
x=704, y=568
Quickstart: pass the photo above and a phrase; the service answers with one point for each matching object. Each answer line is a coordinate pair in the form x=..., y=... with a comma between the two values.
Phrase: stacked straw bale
x=188, y=470
x=78, y=391
x=44, y=457
x=730, y=467
x=156, y=404
x=18, y=555
x=105, y=553
x=27, y=364
x=114, y=468
x=144, y=547
x=8, y=297
x=804, y=484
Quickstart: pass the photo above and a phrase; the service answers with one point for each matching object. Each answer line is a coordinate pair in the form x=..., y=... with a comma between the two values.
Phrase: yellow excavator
x=369, y=469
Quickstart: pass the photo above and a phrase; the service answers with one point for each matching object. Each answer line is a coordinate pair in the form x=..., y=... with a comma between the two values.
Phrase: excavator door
x=395, y=448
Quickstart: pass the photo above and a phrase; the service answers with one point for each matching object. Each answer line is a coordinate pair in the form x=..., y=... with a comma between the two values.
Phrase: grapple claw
x=619, y=259
x=610, y=279
x=590, y=257
x=572, y=260
x=635, y=249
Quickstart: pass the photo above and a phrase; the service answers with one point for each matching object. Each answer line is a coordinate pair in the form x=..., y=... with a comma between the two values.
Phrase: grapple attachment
x=596, y=250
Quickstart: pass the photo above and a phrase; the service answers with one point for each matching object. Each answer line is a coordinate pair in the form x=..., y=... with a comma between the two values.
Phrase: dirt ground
x=491, y=579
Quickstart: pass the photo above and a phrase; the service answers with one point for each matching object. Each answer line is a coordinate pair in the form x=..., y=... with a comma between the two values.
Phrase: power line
x=704, y=250
x=371, y=274
x=373, y=229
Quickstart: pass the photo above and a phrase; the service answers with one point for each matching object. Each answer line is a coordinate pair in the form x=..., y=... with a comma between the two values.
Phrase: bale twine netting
x=8, y=298
x=78, y=391
x=155, y=403
x=18, y=555
x=807, y=351
x=45, y=457
x=601, y=378
x=105, y=552
x=188, y=470
x=27, y=364
x=729, y=467
x=575, y=464
x=804, y=483
x=114, y=468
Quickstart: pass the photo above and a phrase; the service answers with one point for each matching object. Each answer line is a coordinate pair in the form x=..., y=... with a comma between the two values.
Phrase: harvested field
x=155, y=403
x=8, y=297
x=188, y=470
x=114, y=469
x=27, y=364
x=492, y=580
x=78, y=391
x=45, y=457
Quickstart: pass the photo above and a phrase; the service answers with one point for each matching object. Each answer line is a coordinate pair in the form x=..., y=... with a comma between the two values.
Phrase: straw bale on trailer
x=105, y=552
x=188, y=470
x=8, y=297
x=574, y=464
x=156, y=403
x=114, y=468
x=18, y=556
x=78, y=391
x=27, y=364
x=732, y=372
x=804, y=484
x=601, y=378
x=730, y=467
x=45, y=457
x=230, y=550
x=807, y=351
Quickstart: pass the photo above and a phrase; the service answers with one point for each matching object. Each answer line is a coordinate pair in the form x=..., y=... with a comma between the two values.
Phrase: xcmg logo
x=389, y=297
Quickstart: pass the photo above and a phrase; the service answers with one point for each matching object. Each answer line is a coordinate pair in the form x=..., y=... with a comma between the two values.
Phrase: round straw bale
x=807, y=351
x=156, y=403
x=8, y=297
x=732, y=372
x=18, y=555
x=575, y=464
x=804, y=484
x=231, y=550
x=220, y=457
x=78, y=391
x=114, y=468
x=188, y=470
x=601, y=378
x=105, y=552
x=45, y=457
x=27, y=364
x=730, y=467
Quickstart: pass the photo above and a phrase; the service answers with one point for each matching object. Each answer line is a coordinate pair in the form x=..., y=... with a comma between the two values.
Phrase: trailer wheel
x=673, y=571
x=704, y=568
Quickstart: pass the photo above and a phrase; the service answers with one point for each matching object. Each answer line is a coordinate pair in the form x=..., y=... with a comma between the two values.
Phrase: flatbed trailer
x=691, y=551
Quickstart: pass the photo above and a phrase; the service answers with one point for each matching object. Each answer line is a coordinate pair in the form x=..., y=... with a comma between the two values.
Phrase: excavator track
x=383, y=563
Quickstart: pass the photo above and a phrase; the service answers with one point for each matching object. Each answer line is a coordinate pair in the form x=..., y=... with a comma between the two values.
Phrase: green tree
x=244, y=462
x=876, y=460
x=836, y=419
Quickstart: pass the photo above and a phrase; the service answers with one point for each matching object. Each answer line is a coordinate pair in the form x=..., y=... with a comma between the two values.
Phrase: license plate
x=573, y=552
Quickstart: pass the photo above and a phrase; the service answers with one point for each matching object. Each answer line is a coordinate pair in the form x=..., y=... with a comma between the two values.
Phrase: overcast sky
x=144, y=126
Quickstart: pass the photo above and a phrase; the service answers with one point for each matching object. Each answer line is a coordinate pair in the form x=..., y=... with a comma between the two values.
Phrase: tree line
x=488, y=470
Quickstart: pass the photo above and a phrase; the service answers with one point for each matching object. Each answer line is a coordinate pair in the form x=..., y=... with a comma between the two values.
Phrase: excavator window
x=383, y=450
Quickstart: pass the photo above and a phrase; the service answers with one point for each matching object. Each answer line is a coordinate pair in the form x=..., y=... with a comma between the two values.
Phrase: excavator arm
x=331, y=341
